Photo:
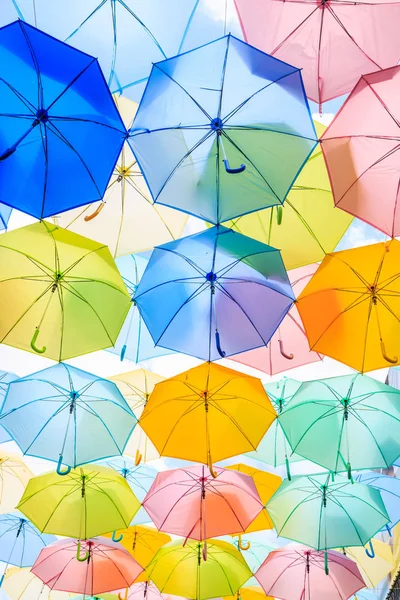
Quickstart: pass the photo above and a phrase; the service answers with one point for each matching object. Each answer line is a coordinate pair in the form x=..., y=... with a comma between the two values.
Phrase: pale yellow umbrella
x=373, y=570
x=14, y=476
x=136, y=387
x=21, y=584
x=126, y=219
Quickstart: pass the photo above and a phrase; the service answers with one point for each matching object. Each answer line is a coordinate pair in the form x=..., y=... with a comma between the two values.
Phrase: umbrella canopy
x=126, y=220
x=20, y=541
x=333, y=42
x=57, y=413
x=143, y=591
x=266, y=485
x=199, y=570
x=288, y=348
x=14, y=476
x=299, y=572
x=136, y=387
x=360, y=150
x=373, y=568
x=89, y=568
x=389, y=488
x=5, y=213
x=194, y=504
x=325, y=512
x=215, y=127
x=61, y=294
x=134, y=341
x=349, y=308
x=5, y=379
x=274, y=449
x=344, y=423
x=207, y=413
x=195, y=288
x=22, y=584
x=87, y=501
x=251, y=592
x=60, y=130
x=298, y=228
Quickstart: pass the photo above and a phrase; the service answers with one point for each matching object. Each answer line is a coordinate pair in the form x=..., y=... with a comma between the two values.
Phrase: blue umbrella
x=389, y=488
x=60, y=131
x=134, y=341
x=5, y=213
x=222, y=130
x=214, y=294
x=67, y=415
x=20, y=541
x=5, y=379
x=140, y=479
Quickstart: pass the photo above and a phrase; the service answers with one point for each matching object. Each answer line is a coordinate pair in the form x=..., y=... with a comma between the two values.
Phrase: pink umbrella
x=298, y=572
x=146, y=590
x=288, y=348
x=333, y=41
x=193, y=504
x=362, y=151
x=86, y=567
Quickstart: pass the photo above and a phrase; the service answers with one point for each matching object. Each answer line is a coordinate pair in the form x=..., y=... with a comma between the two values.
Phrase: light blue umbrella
x=5, y=213
x=140, y=479
x=20, y=541
x=389, y=488
x=5, y=379
x=68, y=416
x=134, y=341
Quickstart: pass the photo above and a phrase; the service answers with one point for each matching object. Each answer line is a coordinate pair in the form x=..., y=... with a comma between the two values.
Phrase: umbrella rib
x=20, y=97
x=43, y=427
x=234, y=422
x=147, y=30
x=35, y=64
x=71, y=83
x=336, y=501
x=191, y=262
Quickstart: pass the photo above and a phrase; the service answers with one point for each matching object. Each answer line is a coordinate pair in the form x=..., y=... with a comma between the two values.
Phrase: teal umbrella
x=344, y=423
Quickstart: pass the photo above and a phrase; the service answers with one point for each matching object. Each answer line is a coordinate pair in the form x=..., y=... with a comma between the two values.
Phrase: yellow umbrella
x=207, y=413
x=136, y=387
x=21, y=584
x=252, y=592
x=266, y=484
x=126, y=219
x=14, y=477
x=308, y=225
x=142, y=543
x=373, y=570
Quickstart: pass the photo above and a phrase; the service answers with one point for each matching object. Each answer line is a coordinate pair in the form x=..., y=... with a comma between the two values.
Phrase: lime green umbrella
x=61, y=294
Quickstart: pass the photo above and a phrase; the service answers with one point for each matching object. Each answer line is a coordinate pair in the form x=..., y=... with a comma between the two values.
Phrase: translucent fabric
x=389, y=488
x=20, y=540
x=333, y=42
x=59, y=412
x=222, y=130
x=5, y=379
x=142, y=543
x=5, y=213
x=375, y=569
x=21, y=584
x=213, y=294
x=60, y=131
x=14, y=476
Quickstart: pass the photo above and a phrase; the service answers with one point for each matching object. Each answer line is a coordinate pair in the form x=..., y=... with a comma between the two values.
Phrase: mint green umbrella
x=274, y=448
x=344, y=423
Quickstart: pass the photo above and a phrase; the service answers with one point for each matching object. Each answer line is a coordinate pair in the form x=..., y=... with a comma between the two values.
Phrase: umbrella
x=344, y=423
x=360, y=149
x=299, y=227
x=266, y=485
x=194, y=289
x=89, y=568
x=140, y=478
x=142, y=591
x=207, y=413
x=61, y=294
x=349, y=308
x=192, y=503
x=325, y=512
x=57, y=414
x=222, y=130
x=333, y=42
x=136, y=387
x=60, y=130
x=251, y=592
x=97, y=597
x=288, y=348
x=126, y=220
x=5, y=379
x=299, y=572
x=374, y=569
x=389, y=488
x=5, y=213
x=14, y=476
x=192, y=572
x=134, y=341
x=21, y=584
x=274, y=449
x=87, y=501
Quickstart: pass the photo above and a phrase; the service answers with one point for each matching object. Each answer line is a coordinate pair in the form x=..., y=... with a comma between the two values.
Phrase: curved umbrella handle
x=7, y=153
x=389, y=530
x=138, y=458
x=2, y=578
x=210, y=466
x=392, y=361
x=279, y=214
x=125, y=596
x=326, y=566
x=86, y=556
x=349, y=475
x=289, y=475
x=241, y=545
x=95, y=213
x=218, y=344
x=370, y=552
x=59, y=470
x=205, y=550
x=33, y=343
x=117, y=539
x=282, y=351
x=229, y=169
x=123, y=352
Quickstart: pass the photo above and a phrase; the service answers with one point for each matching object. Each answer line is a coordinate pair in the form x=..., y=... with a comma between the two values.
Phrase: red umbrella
x=86, y=567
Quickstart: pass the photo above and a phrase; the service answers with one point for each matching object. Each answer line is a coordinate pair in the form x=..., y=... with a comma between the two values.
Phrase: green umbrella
x=274, y=449
x=344, y=423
